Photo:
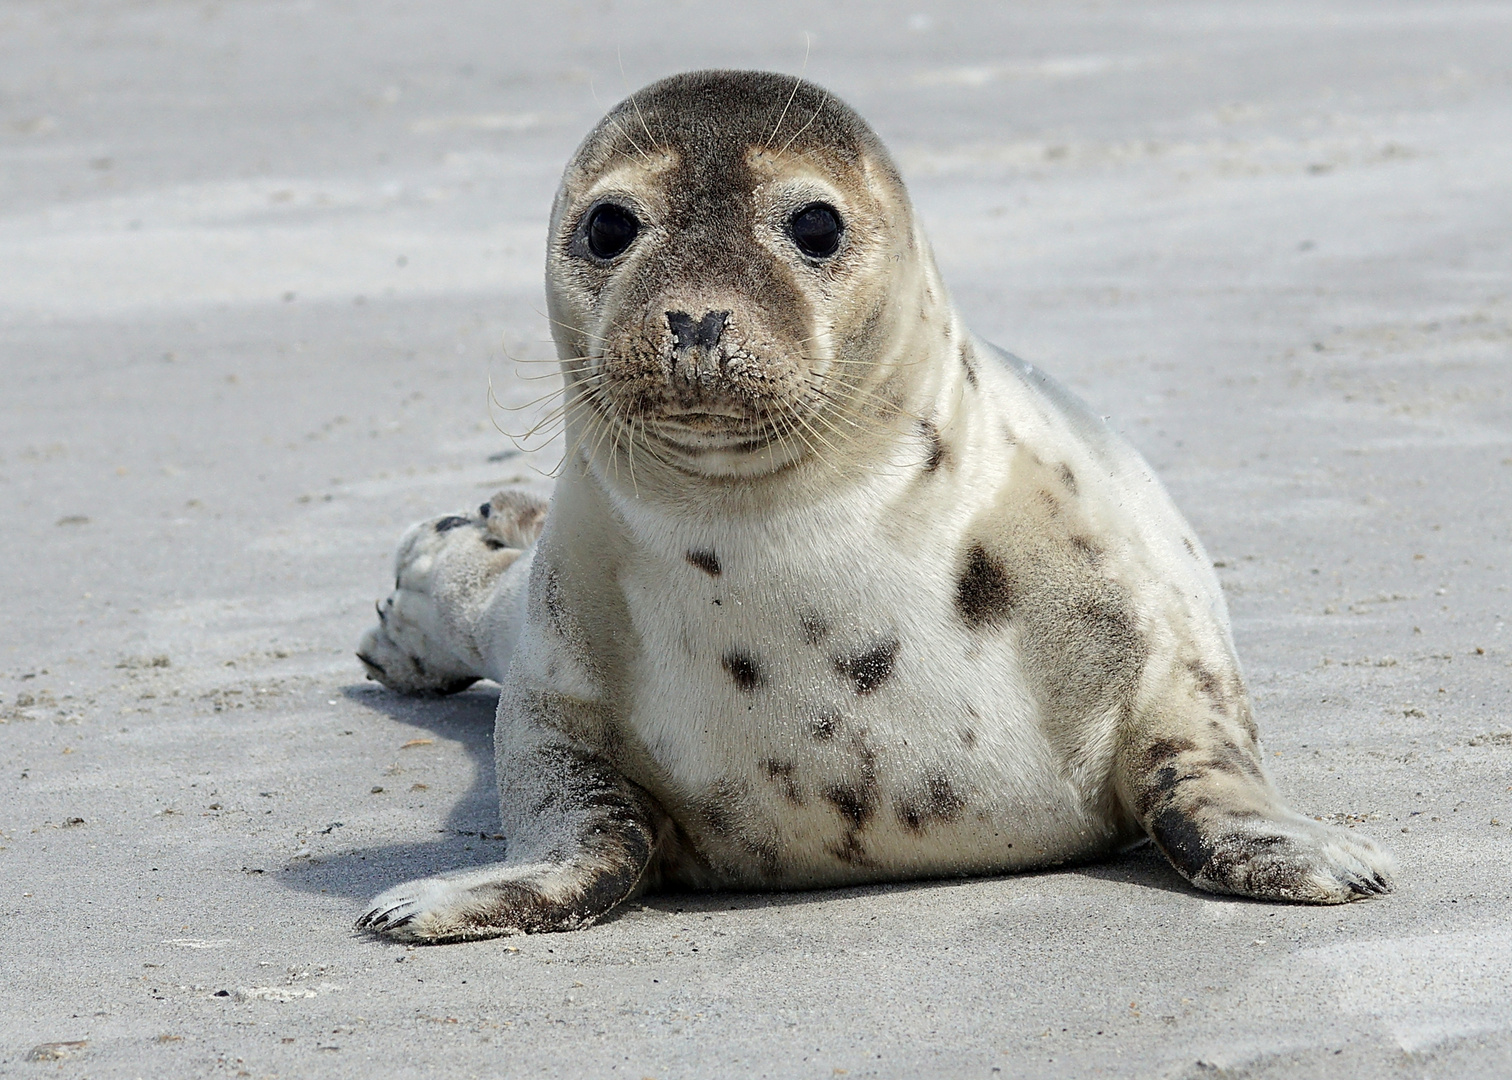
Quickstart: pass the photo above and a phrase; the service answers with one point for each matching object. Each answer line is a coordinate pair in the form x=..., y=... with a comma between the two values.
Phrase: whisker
x=822, y=103
x=767, y=142
x=589, y=334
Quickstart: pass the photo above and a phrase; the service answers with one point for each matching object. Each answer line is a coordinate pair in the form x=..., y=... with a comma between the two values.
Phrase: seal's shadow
x=1143, y=866
x=465, y=836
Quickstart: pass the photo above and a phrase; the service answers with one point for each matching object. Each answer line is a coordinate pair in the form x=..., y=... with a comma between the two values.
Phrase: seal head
x=724, y=248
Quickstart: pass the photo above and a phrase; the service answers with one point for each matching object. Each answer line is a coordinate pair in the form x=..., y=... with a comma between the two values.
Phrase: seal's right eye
x=611, y=229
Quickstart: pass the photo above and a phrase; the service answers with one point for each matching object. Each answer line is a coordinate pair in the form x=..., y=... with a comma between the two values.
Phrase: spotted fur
x=830, y=590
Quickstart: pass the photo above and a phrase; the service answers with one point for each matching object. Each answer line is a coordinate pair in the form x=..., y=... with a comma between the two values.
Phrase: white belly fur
x=944, y=765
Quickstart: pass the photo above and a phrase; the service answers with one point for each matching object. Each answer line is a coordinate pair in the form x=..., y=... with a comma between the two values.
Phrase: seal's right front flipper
x=580, y=840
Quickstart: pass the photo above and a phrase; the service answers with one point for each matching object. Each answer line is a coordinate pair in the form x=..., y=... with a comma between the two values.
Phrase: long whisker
x=767, y=142
x=569, y=453
x=822, y=103
x=808, y=46
x=589, y=334
x=529, y=404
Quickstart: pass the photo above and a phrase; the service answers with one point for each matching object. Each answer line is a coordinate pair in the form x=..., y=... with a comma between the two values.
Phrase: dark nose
x=686, y=333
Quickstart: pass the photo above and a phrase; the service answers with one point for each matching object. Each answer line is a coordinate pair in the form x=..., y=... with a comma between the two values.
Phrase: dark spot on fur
x=493, y=543
x=706, y=561
x=984, y=593
x=824, y=725
x=968, y=738
x=849, y=850
x=1163, y=750
x=814, y=626
x=1051, y=503
x=856, y=805
x=1207, y=682
x=1243, y=759
x=1263, y=866
x=870, y=669
x=971, y=375
x=1088, y=549
x=744, y=670
x=1191, y=547
x=450, y=522
x=934, y=447
x=1067, y=477
x=1179, y=837
x=551, y=597
x=1008, y=436
x=935, y=801
x=781, y=772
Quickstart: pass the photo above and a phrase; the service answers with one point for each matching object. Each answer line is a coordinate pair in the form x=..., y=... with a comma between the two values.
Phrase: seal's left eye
x=611, y=229
x=816, y=230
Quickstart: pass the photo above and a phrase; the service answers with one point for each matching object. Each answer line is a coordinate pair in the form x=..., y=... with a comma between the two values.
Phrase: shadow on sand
x=466, y=837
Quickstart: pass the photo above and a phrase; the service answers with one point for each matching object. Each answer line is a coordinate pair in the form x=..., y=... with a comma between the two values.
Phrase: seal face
x=719, y=248
x=829, y=590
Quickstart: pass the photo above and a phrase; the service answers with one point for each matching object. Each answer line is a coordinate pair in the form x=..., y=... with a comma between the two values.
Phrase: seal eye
x=816, y=230
x=611, y=229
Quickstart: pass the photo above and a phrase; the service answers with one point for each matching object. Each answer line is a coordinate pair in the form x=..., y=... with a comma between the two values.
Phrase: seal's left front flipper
x=1191, y=773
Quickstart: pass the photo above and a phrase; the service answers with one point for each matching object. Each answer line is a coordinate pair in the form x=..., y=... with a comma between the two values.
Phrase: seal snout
x=698, y=358
x=705, y=354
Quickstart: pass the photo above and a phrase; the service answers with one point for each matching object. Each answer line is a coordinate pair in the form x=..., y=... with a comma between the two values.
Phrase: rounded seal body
x=831, y=591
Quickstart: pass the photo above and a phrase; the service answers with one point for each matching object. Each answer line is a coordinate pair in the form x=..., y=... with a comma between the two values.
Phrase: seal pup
x=829, y=591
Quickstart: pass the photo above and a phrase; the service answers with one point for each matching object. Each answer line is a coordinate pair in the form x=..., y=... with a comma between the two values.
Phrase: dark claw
x=372, y=665
x=379, y=920
x=378, y=607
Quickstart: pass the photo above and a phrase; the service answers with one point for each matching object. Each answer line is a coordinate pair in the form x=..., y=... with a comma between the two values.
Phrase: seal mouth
x=691, y=431
x=704, y=417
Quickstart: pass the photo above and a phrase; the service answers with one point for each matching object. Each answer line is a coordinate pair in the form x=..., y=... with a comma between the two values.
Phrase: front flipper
x=580, y=840
x=1198, y=788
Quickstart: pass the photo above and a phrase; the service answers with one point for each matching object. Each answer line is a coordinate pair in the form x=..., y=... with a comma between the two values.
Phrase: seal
x=829, y=591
